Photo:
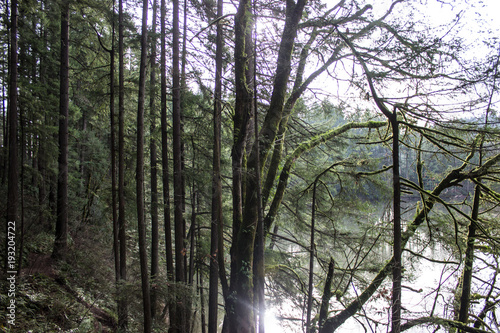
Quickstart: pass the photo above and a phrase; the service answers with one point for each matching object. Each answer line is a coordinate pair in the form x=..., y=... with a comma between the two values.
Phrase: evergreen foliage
x=328, y=84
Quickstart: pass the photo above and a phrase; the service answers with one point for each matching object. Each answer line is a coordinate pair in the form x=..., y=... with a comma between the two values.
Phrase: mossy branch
x=442, y=322
x=452, y=178
x=302, y=148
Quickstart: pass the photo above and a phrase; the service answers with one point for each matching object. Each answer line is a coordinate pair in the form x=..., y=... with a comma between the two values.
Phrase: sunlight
x=272, y=324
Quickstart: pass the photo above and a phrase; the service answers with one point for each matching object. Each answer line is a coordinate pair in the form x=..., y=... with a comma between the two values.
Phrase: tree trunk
x=397, y=236
x=216, y=256
x=258, y=263
x=164, y=154
x=141, y=223
x=239, y=308
x=327, y=294
x=463, y=315
x=397, y=269
x=116, y=244
x=311, y=262
x=178, y=319
x=122, y=297
x=12, y=190
x=153, y=162
x=42, y=188
x=61, y=241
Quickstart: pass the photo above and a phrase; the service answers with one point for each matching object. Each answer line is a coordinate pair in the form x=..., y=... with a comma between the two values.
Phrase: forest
x=206, y=166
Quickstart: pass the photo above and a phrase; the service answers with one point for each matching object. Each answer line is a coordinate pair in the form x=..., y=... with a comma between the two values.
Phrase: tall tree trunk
x=471, y=237
x=122, y=298
x=141, y=223
x=113, y=150
x=12, y=187
x=258, y=262
x=179, y=318
x=397, y=248
x=216, y=257
x=244, y=225
x=164, y=154
x=21, y=227
x=239, y=307
x=396, y=185
x=61, y=241
x=183, y=90
x=153, y=162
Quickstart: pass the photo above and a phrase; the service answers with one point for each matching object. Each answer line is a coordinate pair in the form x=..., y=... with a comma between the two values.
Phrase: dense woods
x=249, y=166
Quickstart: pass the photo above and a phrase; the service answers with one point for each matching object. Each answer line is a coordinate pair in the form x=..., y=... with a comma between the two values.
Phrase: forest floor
x=67, y=296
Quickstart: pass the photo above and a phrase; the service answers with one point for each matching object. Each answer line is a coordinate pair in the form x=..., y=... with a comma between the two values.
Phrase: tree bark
x=397, y=248
x=239, y=307
x=154, y=168
x=61, y=241
x=216, y=254
x=116, y=244
x=311, y=262
x=463, y=315
x=179, y=323
x=122, y=298
x=327, y=294
x=12, y=187
x=164, y=152
x=259, y=259
x=141, y=223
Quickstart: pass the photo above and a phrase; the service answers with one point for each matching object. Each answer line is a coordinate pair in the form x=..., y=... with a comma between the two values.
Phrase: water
x=429, y=286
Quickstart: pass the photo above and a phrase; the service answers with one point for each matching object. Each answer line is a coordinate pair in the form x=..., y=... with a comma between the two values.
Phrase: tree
x=112, y=121
x=179, y=319
x=396, y=185
x=61, y=241
x=122, y=301
x=463, y=315
x=216, y=226
x=164, y=156
x=141, y=223
x=153, y=161
x=239, y=307
x=12, y=196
